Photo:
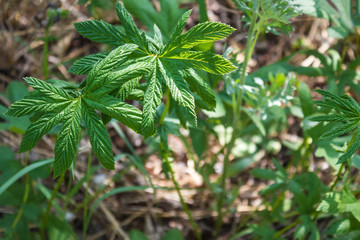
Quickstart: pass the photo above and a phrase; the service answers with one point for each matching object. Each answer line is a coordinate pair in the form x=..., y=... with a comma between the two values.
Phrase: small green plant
x=113, y=77
x=168, y=67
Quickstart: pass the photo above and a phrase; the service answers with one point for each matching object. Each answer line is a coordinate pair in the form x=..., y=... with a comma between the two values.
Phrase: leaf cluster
x=343, y=14
x=165, y=66
x=274, y=16
x=345, y=111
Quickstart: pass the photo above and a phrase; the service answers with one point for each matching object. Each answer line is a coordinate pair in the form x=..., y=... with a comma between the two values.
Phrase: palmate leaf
x=127, y=88
x=130, y=28
x=179, y=89
x=29, y=105
x=39, y=128
x=347, y=111
x=145, y=12
x=205, y=61
x=102, y=68
x=125, y=113
x=69, y=138
x=202, y=33
x=47, y=89
x=162, y=66
x=174, y=58
x=152, y=99
x=171, y=58
x=99, y=137
x=352, y=149
x=102, y=32
x=51, y=105
x=198, y=85
x=339, y=131
x=85, y=64
x=115, y=80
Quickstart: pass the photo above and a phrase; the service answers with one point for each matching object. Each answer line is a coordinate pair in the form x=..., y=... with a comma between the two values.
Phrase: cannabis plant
x=345, y=110
x=140, y=67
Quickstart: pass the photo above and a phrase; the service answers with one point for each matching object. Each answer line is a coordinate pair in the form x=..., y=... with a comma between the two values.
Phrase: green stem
x=86, y=200
x=176, y=184
x=278, y=234
x=25, y=197
x=177, y=187
x=46, y=52
x=202, y=11
x=47, y=212
x=136, y=156
x=338, y=175
x=237, y=103
x=166, y=110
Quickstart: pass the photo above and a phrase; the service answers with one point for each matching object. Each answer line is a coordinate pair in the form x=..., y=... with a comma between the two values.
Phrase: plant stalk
x=46, y=53
x=176, y=184
x=86, y=200
x=237, y=103
x=177, y=187
x=25, y=197
x=338, y=175
x=47, y=212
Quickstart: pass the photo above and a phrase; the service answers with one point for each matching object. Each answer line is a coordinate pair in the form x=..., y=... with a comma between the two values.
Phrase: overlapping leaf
x=113, y=77
x=85, y=64
x=102, y=32
x=51, y=105
x=347, y=111
x=172, y=59
x=166, y=19
x=164, y=65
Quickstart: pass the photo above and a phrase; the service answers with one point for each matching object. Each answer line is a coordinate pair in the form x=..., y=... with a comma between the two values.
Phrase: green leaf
x=206, y=61
x=39, y=128
x=47, y=89
x=197, y=136
x=4, y=186
x=137, y=235
x=341, y=13
x=130, y=28
x=16, y=125
x=128, y=87
x=99, y=137
x=255, y=118
x=352, y=149
x=339, y=227
x=338, y=131
x=177, y=32
x=101, y=32
x=332, y=118
x=206, y=32
x=125, y=113
x=29, y=105
x=16, y=90
x=114, y=59
x=179, y=90
x=265, y=174
x=152, y=99
x=173, y=234
x=68, y=140
x=115, y=80
x=306, y=102
x=85, y=64
x=202, y=88
x=166, y=19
